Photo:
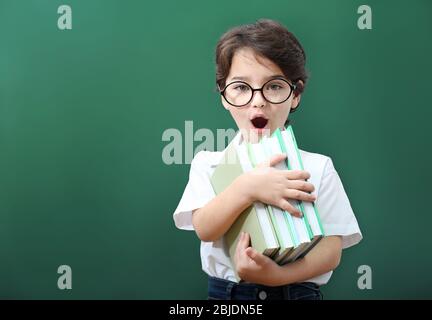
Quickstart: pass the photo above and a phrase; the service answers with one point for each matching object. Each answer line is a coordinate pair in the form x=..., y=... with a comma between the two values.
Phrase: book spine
x=272, y=149
x=276, y=227
x=281, y=223
x=291, y=132
x=270, y=215
x=311, y=246
x=299, y=203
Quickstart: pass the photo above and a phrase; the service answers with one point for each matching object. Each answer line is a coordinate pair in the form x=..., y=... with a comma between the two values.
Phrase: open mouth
x=259, y=122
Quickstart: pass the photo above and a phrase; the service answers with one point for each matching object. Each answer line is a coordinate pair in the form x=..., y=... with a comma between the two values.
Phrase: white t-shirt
x=332, y=203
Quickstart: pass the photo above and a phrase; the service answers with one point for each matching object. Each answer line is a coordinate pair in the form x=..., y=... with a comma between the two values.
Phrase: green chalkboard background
x=82, y=113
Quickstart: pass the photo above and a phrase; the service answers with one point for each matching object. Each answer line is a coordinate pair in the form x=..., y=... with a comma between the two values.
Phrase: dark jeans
x=219, y=289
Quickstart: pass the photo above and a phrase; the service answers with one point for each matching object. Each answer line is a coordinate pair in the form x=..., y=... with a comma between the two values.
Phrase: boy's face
x=259, y=117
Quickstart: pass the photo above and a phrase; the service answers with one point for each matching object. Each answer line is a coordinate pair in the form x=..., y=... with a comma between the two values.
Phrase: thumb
x=273, y=160
x=259, y=259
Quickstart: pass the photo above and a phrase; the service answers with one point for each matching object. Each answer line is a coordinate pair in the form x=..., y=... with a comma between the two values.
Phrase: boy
x=261, y=75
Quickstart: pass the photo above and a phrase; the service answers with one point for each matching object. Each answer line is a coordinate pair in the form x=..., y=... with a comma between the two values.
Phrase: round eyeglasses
x=276, y=91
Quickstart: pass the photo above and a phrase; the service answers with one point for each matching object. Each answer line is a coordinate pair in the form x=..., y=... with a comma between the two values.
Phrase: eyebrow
x=268, y=78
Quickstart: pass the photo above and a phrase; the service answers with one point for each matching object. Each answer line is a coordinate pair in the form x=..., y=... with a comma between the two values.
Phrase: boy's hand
x=272, y=186
x=253, y=266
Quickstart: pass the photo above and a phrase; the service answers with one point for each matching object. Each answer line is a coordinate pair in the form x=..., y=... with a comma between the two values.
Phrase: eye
x=241, y=88
x=274, y=86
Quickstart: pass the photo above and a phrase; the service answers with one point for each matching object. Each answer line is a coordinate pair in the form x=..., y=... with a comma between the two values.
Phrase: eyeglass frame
x=292, y=86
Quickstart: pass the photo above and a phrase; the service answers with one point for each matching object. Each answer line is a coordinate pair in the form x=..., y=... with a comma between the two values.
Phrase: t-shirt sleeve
x=335, y=209
x=198, y=192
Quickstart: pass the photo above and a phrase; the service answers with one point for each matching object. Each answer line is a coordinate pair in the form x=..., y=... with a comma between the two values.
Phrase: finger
x=273, y=160
x=301, y=185
x=239, y=247
x=299, y=195
x=259, y=258
x=288, y=207
x=243, y=244
x=297, y=174
x=244, y=241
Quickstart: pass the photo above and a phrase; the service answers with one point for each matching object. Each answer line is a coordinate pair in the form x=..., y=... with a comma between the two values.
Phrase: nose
x=258, y=100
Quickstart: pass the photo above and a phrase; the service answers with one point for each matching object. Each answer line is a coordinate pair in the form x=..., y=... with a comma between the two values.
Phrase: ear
x=296, y=99
x=295, y=102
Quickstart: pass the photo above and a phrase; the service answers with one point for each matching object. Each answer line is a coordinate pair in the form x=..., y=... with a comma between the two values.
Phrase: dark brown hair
x=269, y=39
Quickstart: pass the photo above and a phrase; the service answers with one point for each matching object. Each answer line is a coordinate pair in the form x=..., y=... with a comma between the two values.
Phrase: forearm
x=323, y=258
x=215, y=218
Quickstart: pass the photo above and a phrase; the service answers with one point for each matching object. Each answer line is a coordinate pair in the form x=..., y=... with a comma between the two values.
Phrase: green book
x=293, y=233
x=273, y=231
x=254, y=220
x=288, y=144
x=258, y=153
x=296, y=236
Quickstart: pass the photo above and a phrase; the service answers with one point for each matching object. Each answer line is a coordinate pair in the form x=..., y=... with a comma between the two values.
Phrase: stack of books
x=273, y=231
